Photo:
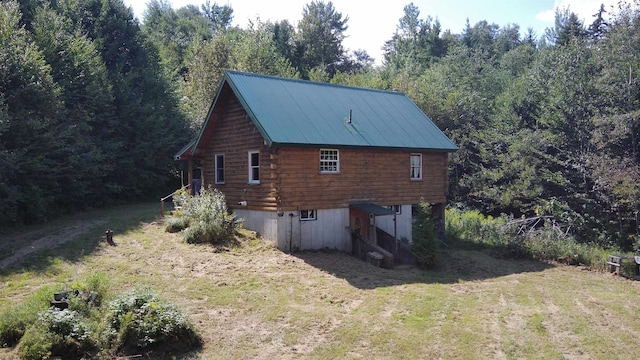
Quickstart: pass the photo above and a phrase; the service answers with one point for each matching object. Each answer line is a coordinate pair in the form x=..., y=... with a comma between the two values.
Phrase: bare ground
x=19, y=246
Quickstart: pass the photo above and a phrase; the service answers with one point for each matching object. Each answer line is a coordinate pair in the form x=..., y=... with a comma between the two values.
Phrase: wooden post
x=109, y=234
x=190, y=176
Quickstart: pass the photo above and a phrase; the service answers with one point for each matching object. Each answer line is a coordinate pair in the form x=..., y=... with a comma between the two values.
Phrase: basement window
x=306, y=215
x=396, y=208
x=329, y=161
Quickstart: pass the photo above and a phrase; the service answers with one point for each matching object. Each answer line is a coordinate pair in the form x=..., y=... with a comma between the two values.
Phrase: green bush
x=424, y=245
x=15, y=320
x=208, y=218
x=176, y=224
x=472, y=227
x=138, y=320
x=504, y=236
x=57, y=333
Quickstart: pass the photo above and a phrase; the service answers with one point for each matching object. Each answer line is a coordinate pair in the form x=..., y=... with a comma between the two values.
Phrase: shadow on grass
x=36, y=248
x=456, y=264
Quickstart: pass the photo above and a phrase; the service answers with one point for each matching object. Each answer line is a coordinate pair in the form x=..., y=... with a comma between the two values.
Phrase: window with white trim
x=416, y=166
x=329, y=161
x=219, y=168
x=254, y=167
x=306, y=215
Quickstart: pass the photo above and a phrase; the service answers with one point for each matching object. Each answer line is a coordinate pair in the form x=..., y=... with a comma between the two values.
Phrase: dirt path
x=21, y=246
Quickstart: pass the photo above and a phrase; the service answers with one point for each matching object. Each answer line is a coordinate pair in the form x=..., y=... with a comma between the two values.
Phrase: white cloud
x=584, y=9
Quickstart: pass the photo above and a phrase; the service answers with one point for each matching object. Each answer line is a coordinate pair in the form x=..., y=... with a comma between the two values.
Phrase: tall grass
x=508, y=237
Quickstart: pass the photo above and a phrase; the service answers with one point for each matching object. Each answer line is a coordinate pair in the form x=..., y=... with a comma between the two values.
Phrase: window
x=396, y=208
x=329, y=161
x=306, y=215
x=219, y=169
x=254, y=167
x=416, y=166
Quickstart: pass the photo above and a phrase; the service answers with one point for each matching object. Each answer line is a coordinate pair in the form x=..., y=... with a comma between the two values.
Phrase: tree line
x=93, y=102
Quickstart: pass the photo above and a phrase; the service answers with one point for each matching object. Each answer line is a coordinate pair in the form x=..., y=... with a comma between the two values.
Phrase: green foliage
x=425, y=242
x=139, y=320
x=505, y=236
x=92, y=107
x=58, y=333
x=135, y=320
x=14, y=320
x=208, y=218
x=320, y=34
x=176, y=224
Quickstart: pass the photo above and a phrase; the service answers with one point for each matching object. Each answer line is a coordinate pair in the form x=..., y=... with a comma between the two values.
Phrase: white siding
x=263, y=222
x=288, y=232
x=403, y=221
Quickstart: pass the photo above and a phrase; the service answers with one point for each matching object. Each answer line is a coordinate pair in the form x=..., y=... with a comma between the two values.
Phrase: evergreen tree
x=320, y=35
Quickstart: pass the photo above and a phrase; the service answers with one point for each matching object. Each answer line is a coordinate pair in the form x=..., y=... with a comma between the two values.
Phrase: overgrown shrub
x=424, y=246
x=208, y=218
x=472, y=227
x=139, y=320
x=507, y=237
x=15, y=320
x=176, y=224
x=57, y=333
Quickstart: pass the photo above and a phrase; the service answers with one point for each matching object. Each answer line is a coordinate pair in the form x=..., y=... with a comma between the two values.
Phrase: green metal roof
x=374, y=209
x=291, y=112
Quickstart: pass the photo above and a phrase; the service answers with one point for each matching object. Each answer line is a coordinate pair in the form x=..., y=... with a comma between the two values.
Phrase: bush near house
x=206, y=217
x=424, y=245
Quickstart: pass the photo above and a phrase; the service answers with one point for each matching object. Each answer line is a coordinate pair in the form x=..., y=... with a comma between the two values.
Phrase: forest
x=94, y=103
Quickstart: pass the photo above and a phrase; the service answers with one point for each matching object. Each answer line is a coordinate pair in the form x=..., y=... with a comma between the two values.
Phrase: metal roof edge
x=245, y=104
x=310, y=82
x=369, y=147
x=209, y=113
x=435, y=125
x=184, y=149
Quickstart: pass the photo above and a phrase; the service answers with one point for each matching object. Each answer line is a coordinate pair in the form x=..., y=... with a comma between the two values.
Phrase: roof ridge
x=311, y=82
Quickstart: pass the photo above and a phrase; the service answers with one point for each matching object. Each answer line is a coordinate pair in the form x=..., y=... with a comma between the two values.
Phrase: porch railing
x=162, y=200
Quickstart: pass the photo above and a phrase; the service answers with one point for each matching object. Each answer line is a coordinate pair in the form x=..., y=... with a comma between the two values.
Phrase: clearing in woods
x=251, y=301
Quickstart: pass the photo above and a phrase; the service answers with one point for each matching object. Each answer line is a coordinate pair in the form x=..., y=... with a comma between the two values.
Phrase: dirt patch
x=20, y=247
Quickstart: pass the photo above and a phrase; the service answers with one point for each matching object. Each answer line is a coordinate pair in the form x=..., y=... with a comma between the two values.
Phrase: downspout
x=290, y=231
x=395, y=231
x=190, y=176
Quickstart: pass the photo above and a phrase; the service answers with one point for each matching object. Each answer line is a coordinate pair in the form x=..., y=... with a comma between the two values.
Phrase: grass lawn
x=251, y=301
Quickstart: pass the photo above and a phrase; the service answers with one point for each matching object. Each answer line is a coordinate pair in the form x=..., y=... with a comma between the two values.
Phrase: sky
x=372, y=22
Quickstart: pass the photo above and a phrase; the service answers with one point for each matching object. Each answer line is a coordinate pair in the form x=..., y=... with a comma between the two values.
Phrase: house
x=307, y=165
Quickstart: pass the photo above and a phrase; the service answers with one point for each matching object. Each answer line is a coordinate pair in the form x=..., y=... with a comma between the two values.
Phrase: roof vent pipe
x=349, y=121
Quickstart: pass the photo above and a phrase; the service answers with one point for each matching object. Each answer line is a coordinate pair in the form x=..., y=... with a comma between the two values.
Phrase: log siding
x=290, y=178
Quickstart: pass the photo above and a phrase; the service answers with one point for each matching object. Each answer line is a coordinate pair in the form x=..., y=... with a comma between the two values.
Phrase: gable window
x=329, y=161
x=306, y=215
x=416, y=166
x=219, y=169
x=254, y=167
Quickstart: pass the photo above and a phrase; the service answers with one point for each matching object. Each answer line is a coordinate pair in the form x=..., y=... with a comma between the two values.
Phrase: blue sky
x=372, y=22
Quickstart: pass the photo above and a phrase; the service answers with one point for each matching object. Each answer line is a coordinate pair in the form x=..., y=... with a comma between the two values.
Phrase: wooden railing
x=162, y=200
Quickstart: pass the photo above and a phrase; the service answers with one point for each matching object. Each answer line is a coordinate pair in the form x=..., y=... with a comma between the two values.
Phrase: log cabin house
x=309, y=165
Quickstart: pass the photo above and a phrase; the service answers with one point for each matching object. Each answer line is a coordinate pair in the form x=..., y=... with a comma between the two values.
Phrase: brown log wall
x=376, y=176
x=234, y=136
x=290, y=178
